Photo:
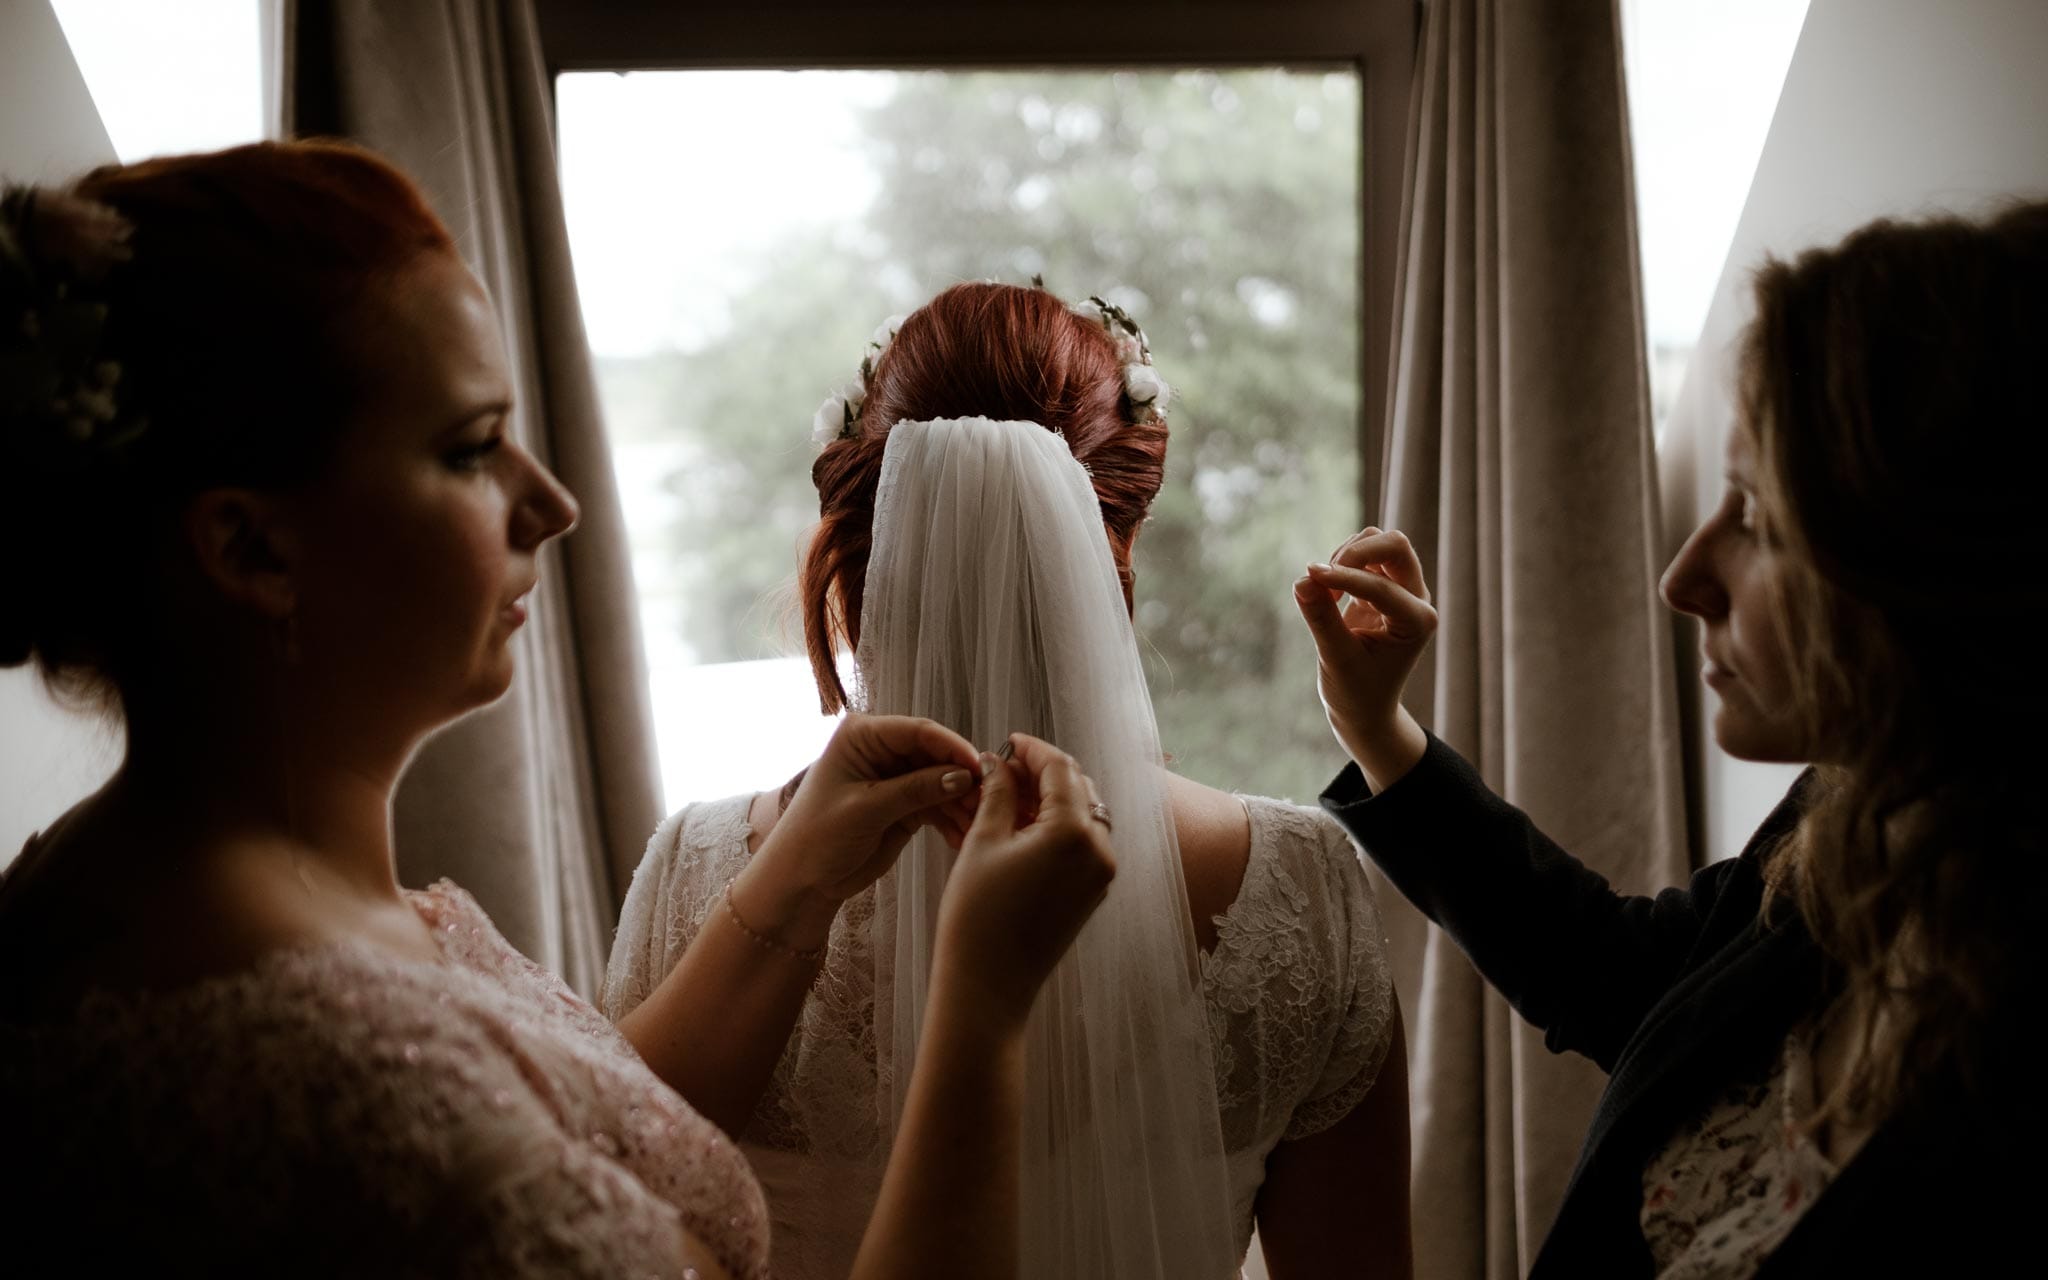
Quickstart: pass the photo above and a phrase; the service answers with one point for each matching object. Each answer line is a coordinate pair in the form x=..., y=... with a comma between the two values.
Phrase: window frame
x=1376, y=38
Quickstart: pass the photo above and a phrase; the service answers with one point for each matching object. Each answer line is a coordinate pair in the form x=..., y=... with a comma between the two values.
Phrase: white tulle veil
x=992, y=604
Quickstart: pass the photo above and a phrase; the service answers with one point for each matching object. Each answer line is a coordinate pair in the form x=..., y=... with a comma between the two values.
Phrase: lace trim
x=1298, y=988
x=1291, y=1024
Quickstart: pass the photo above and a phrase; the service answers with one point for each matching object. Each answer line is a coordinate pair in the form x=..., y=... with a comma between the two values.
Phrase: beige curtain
x=541, y=804
x=1519, y=459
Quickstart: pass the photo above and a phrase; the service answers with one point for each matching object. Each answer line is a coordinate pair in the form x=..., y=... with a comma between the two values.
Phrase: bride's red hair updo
x=990, y=350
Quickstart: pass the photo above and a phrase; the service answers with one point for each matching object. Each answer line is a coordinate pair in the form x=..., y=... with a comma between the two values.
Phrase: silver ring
x=1100, y=812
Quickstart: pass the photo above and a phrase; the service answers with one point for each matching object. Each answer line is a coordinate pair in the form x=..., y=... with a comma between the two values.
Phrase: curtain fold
x=541, y=804
x=1520, y=461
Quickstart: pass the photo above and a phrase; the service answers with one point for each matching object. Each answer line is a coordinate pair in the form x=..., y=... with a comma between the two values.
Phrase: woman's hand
x=1033, y=867
x=878, y=781
x=1366, y=649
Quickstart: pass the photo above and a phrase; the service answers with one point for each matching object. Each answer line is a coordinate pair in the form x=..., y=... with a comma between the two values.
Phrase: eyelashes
x=471, y=457
x=1739, y=508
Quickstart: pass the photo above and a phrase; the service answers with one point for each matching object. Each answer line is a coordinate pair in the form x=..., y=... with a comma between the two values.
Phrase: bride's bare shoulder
x=1214, y=830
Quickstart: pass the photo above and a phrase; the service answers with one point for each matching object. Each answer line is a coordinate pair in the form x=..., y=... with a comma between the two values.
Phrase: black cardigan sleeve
x=1581, y=962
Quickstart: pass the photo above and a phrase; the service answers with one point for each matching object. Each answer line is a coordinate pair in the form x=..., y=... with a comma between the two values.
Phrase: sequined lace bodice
x=1299, y=995
x=340, y=1110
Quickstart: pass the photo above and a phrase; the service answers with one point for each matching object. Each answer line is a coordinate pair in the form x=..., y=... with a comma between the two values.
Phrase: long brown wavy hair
x=1892, y=386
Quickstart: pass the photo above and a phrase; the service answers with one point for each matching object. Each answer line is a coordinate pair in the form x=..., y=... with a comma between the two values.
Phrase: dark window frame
x=1376, y=38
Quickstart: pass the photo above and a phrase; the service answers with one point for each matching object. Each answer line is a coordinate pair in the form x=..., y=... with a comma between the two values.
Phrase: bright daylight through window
x=737, y=237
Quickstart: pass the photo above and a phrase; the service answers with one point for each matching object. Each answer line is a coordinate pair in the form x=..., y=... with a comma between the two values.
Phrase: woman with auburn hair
x=1820, y=1051
x=260, y=502
x=1222, y=1045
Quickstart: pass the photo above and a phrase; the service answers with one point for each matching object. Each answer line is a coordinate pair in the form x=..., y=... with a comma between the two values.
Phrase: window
x=737, y=235
x=1220, y=207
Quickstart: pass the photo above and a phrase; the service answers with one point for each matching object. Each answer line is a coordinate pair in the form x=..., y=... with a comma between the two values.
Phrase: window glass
x=738, y=235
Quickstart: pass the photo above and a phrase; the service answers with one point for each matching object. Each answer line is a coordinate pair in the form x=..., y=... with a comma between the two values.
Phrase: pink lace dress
x=339, y=1110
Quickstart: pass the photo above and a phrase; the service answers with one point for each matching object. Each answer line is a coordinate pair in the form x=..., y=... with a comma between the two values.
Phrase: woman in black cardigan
x=1818, y=1052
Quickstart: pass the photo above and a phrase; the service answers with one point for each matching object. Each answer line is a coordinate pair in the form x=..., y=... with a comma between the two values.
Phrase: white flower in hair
x=834, y=418
x=885, y=332
x=1142, y=385
x=830, y=421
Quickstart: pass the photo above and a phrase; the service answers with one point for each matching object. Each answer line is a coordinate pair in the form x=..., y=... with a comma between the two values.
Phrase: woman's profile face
x=422, y=539
x=1727, y=575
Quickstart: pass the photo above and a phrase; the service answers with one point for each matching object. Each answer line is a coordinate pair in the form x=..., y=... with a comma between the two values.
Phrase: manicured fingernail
x=990, y=762
x=955, y=782
x=1317, y=566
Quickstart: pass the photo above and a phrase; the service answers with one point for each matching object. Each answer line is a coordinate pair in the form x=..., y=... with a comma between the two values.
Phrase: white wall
x=48, y=131
x=1891, y=107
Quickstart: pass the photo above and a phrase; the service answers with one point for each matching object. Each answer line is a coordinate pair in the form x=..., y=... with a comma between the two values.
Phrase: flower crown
x=53, y=376
x=1146, y=392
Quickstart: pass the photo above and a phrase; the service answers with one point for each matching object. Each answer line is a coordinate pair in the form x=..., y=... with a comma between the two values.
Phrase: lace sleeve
x=467, y=1152
x=1366, y=987
x=561, y=1212
x=474, y=1103
x=338, y=1112
x=688, y=860
x=636, y=960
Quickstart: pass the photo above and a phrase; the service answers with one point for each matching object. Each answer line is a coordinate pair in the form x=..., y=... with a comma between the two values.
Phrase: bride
x=1222, y=1047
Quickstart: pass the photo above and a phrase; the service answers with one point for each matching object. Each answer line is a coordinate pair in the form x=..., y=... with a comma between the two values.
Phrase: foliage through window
x=739, y=234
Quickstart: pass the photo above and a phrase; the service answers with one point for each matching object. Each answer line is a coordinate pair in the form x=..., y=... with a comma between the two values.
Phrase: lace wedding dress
x=1297, y=988
x=338, y=1110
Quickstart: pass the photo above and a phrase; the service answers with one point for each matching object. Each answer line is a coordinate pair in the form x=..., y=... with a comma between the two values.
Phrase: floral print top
x=1732, y=1183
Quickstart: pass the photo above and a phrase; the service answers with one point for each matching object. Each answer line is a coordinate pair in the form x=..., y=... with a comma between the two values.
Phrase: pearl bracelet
x=809, y=955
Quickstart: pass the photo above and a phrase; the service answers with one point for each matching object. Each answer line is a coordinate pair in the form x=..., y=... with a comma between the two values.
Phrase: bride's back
x=955, y=554
x=1294, y=983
